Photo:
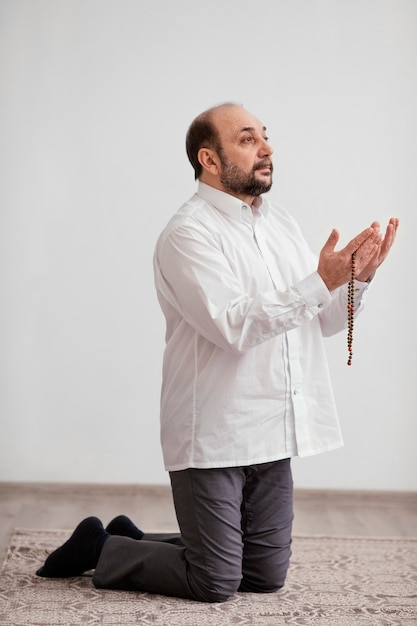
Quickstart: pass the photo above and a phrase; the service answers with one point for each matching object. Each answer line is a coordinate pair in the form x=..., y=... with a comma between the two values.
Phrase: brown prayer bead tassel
x=351, y=309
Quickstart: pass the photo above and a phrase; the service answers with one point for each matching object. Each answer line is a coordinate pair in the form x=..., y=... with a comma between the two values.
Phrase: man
x=245, y=379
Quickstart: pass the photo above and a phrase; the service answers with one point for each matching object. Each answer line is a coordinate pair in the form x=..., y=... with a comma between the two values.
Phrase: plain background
x=96, y=97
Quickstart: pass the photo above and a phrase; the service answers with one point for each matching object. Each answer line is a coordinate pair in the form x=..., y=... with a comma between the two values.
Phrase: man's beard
x=238, y=182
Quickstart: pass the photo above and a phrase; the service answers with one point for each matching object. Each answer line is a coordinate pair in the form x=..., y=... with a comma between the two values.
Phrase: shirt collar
x=230, y=205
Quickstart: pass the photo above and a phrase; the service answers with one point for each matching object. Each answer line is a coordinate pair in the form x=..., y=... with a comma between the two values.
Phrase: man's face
x=245, y=155
x=240, y=182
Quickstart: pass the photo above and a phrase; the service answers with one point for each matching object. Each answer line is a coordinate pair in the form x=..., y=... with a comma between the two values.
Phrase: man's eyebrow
x=246, y=129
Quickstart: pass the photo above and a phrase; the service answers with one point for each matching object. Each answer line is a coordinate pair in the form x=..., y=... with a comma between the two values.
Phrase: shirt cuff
x=361, y=287
x=314, y=291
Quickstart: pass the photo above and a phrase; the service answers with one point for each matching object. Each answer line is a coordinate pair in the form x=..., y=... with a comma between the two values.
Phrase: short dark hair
x=203, y=133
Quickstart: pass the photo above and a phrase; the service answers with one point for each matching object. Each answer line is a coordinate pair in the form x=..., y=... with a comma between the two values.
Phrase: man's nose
x=265, y=148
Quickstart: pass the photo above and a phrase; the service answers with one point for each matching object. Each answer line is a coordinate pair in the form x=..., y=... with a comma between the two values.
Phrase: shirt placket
x=295, y=406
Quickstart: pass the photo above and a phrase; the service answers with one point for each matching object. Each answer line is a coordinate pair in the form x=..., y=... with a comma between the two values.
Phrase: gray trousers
x=235, y=528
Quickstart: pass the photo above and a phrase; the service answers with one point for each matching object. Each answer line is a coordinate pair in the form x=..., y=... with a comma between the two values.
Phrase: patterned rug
x=333, y=581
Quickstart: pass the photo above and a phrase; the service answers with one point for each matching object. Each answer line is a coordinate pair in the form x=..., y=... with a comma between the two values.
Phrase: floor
x=33, y=505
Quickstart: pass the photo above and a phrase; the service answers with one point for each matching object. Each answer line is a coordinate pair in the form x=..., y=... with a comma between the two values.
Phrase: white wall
x=95, y=97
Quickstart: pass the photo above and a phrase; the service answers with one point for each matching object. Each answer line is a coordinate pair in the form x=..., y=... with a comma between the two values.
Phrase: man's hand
x=382, y=251
x=371, y=250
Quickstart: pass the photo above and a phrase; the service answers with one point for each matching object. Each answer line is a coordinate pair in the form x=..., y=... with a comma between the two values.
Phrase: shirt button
x=320, y=305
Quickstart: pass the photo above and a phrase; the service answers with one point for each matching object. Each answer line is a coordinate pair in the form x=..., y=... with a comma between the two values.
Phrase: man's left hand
x=383, y=250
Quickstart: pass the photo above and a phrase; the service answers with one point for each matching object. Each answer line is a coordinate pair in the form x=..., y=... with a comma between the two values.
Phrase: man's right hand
x=335, y=267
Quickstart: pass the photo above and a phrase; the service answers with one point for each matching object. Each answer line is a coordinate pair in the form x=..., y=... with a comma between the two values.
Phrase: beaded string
x=351, y=309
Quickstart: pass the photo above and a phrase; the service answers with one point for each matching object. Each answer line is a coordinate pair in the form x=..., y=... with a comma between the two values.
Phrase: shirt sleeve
x=194, y=277
x=333, y=317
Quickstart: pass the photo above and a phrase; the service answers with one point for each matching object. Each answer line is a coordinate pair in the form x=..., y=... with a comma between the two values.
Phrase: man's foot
x=124, y=527
x=79, y=554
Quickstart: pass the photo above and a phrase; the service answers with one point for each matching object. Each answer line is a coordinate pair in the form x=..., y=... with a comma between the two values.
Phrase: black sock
x=124, y=527
x=79, y=554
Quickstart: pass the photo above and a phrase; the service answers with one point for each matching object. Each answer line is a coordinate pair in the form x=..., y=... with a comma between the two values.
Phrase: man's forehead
x=236, y=120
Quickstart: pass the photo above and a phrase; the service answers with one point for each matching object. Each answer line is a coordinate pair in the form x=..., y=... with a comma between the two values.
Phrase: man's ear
x=209, y=161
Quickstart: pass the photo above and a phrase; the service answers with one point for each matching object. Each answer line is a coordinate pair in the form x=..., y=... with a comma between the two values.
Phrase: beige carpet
x=333, y=581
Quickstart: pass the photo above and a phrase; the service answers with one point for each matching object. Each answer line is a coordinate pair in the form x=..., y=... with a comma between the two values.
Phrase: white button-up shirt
x=245, y=377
